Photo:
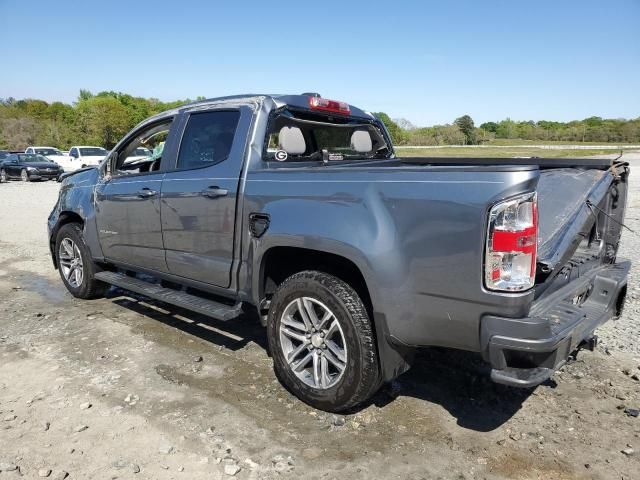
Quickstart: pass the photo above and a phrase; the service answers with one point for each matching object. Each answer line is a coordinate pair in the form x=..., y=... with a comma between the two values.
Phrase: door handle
x=215, y=192
x=146, y=193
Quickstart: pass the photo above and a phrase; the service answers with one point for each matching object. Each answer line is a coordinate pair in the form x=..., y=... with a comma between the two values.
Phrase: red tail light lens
x=512, y=241
x=326, y=105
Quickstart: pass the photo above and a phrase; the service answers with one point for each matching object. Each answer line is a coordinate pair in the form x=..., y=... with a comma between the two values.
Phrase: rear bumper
x=524, y=352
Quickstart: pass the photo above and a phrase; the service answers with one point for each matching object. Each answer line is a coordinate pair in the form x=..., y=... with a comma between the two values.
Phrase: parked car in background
x=86, y=156
x=139, y=153
x=351, y=257
x=28, y=167
x=51, y=153
x=4, y=154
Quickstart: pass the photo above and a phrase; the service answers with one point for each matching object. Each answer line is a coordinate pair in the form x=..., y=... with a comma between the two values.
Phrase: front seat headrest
x=291, y=140
x=361, y=141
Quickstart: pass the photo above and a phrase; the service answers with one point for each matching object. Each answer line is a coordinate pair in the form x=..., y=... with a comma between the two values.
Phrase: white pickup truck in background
x=52, y=154
x=86, y=156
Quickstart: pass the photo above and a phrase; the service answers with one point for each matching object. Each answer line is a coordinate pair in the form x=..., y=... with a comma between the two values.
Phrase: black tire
x=90, y=287
x=360, y=378
x=24, y=175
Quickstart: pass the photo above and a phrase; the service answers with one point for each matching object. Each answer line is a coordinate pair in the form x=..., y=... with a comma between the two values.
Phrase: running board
x=213, y=309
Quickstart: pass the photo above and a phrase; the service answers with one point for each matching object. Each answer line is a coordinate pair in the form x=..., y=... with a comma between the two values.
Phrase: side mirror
x=106, y=168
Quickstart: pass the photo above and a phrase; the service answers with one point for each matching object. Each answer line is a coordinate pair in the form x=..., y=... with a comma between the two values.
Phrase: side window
x=29, y=150
x=73, y=152
x=143, y=152
x=207, y=139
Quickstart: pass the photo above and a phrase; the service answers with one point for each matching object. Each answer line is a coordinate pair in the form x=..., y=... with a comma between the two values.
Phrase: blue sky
x=426, y=61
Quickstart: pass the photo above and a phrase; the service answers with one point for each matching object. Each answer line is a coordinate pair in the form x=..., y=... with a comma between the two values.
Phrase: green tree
x=102, y=121
x=398, y=136
x=506, y=129
x=467, y=127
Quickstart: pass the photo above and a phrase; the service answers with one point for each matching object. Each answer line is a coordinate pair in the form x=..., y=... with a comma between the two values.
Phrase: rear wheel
x=24, y=175
x=322, y=341
x=75, y=265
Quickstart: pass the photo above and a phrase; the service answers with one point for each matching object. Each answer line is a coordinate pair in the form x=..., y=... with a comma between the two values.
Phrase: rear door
x=199, y=195
x=11, y=167
x=128, y=202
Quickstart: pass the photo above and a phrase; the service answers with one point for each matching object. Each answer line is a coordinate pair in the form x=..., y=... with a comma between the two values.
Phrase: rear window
x=302, y=136
x=30, y=157
x=47, y=151
x=92, y=152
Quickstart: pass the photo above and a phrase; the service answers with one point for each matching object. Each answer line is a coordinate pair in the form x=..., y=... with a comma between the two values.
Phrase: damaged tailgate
x=580, y=208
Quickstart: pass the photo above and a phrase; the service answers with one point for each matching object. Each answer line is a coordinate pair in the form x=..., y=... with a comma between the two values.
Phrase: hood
x=41, y=164
x=82, y=175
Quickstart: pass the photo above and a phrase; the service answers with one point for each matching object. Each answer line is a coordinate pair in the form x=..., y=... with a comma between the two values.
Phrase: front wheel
x=75, y=264
x=322, y=341
x=24, y=175
x=3, y=176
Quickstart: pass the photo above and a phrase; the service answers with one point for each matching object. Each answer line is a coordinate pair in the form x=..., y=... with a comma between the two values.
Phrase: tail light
x=512, y=239
x=326, y=105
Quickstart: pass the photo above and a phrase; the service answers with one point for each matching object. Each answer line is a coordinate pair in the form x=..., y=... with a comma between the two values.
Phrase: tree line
x=464, y=132
x=102, y=119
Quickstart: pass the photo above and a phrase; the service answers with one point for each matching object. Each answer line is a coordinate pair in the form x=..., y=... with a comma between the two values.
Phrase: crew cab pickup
x=297, y=208
x=85, y=156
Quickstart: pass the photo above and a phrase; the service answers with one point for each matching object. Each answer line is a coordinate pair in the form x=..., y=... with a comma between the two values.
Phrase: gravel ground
x=124, y=387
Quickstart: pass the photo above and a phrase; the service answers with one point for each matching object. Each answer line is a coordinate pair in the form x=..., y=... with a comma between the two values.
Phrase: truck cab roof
x=300, y=101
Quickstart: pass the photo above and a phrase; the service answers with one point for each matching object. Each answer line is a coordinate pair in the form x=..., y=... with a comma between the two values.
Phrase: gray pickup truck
x=295, y=207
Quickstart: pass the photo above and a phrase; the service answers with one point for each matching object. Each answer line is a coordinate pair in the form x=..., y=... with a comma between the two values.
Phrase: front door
x=199, y=197
x=128, y=201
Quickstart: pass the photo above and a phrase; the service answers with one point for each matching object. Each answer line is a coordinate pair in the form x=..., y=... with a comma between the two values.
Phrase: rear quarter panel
x=416, y=234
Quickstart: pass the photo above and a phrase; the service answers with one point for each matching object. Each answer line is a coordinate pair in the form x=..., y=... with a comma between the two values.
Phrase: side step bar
x=213, y=309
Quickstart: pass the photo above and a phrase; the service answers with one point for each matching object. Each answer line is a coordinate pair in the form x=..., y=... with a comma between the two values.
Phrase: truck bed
x=541, y=163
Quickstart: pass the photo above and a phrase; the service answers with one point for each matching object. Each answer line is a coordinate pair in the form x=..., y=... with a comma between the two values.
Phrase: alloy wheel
x=313, y=343
x=71, y=262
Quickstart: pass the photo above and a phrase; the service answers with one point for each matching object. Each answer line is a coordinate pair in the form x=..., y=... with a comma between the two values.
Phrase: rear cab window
x=298, y=135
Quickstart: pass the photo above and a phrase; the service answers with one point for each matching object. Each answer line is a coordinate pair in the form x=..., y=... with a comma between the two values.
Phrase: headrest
x=291, y=140
x=361, y=141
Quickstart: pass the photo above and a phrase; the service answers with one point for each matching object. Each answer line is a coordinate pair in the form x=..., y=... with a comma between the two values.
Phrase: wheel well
x=63, y=219
x=279, y=263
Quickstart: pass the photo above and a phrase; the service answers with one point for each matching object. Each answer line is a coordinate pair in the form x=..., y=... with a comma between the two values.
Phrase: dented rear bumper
x=524, y=352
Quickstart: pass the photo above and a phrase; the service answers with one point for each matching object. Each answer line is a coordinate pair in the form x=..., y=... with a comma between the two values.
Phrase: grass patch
x=512, y=141
x=500, y=152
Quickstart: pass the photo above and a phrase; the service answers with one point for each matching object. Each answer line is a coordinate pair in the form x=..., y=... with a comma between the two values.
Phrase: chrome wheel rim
x=313, y=343
x=70, y=262
x=24, y=175
x=3, y=176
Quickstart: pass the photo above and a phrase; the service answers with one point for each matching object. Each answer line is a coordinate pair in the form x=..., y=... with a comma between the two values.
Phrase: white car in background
x=86, y=156
x=51, y=153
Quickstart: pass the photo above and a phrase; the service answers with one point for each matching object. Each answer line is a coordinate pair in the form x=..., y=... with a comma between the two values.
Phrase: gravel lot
x=127, y=388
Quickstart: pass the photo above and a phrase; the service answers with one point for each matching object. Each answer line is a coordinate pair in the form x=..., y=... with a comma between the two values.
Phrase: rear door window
x=207, y=139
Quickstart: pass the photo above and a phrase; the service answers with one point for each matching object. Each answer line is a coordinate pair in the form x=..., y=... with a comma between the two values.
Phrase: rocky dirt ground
x=127, y=388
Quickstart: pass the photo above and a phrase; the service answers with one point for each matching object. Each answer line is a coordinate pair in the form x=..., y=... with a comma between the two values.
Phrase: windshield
x=302, y=136
x=29, y=157
x=93, y=152
x=48, y=151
